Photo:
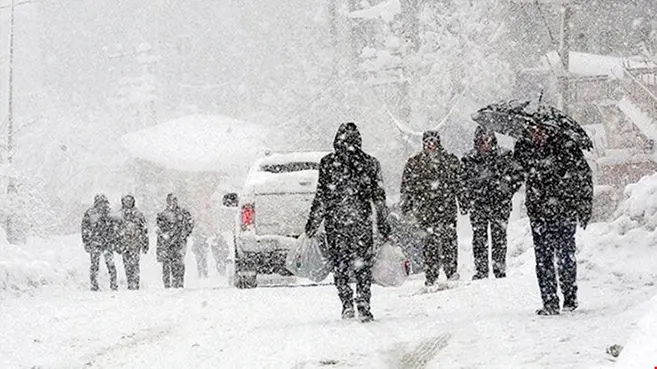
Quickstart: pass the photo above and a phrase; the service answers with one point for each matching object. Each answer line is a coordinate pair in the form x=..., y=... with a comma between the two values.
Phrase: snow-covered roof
x=385, y=10
x=590, y=65
x=200, y=143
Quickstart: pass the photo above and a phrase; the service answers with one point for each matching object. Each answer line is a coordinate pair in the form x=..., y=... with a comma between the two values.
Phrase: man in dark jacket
x=559, y=194
x=99, y=237
x=429, y=191
x=349, y=185
x=490, y=178
x=174, y=224
x=133, y=238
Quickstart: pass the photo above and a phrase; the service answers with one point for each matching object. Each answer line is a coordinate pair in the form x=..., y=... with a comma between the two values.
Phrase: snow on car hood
x=199, y=143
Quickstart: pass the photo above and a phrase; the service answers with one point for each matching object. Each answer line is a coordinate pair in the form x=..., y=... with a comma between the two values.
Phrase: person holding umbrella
x=559, y=190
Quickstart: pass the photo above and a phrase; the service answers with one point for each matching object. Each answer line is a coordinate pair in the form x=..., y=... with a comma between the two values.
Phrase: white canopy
x=200, y=143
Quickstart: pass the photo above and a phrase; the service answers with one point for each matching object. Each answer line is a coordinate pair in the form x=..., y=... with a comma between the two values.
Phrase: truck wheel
x=245, y=275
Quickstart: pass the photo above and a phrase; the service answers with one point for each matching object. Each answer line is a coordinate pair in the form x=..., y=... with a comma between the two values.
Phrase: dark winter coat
x=431, y=185
x=175, y=224
x=349, y=185
x=490, y=177
x=559, y=180
x=98, y=228
x=132, y=229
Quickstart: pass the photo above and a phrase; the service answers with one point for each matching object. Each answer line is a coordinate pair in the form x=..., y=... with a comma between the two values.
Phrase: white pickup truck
x=273, y=208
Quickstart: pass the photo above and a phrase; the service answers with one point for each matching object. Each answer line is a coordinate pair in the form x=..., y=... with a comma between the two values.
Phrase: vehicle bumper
x=264, y=254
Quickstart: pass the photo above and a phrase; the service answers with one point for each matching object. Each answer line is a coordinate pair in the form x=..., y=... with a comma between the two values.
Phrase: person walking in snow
x=430, y=191
x=349, y=187
x=559, y=195
x=200, y=248
x=174, y=225
x=133, y=239
x=99, y=237
x=490, y=178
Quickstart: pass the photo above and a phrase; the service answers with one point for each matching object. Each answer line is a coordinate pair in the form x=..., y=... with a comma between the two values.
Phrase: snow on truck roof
x=199, y=143
x=292, y=157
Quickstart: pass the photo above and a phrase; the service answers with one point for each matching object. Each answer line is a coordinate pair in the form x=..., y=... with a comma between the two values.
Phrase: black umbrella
x=516, y=119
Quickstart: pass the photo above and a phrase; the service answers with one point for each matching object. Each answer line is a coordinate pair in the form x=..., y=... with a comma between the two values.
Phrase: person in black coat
x=490, y=178
x=430, y=191
x=99, y=237
x=174, y=224
x=559, y=195
x=349, y=186
x=133, y=239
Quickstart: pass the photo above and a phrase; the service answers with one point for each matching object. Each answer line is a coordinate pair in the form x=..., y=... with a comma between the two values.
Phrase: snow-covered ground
x=484, y=324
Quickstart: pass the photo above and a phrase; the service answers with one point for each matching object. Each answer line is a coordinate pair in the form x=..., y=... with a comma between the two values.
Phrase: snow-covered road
x=486, y=324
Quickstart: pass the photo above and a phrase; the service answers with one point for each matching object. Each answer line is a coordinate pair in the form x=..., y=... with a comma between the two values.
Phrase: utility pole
x=10, y=103
x=564, y=52
x=563, y=79
x=10, y=190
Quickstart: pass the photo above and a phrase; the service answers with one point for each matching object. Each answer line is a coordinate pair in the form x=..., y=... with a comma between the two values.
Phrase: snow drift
x=55, y=261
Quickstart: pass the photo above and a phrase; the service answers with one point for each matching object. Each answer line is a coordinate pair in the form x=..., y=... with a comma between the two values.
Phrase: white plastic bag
x=391, y=267
x=306, y=258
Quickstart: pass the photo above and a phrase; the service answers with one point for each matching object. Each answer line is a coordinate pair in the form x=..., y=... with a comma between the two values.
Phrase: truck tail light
x=247, y=216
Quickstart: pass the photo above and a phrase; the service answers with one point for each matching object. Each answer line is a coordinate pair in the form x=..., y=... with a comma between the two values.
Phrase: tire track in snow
x=128, y=342
x=420, y=356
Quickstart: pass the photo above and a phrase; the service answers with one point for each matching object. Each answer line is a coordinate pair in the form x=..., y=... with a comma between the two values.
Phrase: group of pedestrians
x=125, y=232
x=435, y=185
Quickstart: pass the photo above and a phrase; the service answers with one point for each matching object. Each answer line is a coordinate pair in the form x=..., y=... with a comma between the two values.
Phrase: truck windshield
x=289, y=167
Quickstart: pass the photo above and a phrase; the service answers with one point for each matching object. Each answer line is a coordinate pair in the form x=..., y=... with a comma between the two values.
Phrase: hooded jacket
x=490, y=177
x=174, y=224
x=133, y=233
x=98, y=228
x=431, y=185
x=349, y=184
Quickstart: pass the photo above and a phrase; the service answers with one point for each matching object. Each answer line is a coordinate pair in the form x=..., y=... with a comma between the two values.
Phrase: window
x=289, y=167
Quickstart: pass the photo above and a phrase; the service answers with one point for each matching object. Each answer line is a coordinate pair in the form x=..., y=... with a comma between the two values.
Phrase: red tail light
x=247, y=215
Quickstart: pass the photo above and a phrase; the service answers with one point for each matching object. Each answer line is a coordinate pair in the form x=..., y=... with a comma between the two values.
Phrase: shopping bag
x=391, y=267
x=308, y=258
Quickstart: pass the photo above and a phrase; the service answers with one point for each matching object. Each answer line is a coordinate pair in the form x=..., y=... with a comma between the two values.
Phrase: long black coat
x=490, y=178
x=349, y=185
x=559, y=180
x=431, y=186
x=174, y=225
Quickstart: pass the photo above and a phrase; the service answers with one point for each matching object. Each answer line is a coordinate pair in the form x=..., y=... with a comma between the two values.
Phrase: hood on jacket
x=481, y=134
x=431, y=138
x=128, y=202
x=347, y=139
x=101, y=202
x=172, y=201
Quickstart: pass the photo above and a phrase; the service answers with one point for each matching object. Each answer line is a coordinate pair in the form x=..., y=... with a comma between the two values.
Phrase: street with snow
x=462, y=324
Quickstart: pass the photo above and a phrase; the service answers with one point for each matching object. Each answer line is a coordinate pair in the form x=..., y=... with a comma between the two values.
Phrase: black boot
x=365, y=314
x=547, y=311
x=348, y=310
x=570, y=305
